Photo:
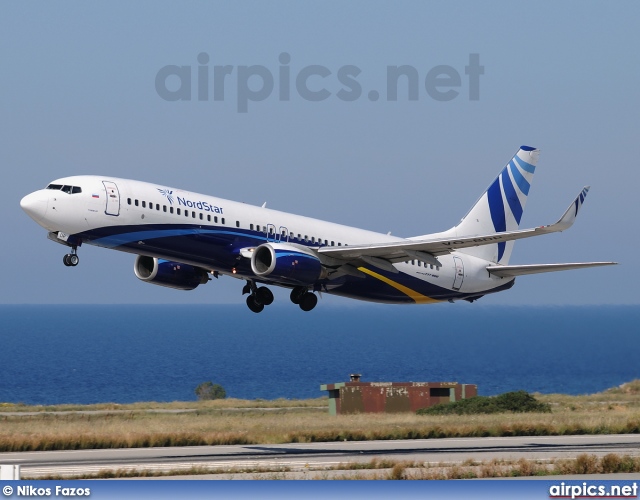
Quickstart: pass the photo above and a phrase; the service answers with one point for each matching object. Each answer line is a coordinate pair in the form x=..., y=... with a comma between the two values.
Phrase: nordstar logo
x=167, y=194
x=200, y=205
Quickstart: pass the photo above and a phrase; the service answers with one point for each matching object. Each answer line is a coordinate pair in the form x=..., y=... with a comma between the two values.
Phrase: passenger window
x=144, y=204
x=178, y=211
x=215, y=219
x=170, y=210
x=208, y=218
x=128, y=201
x=136, y=203
x=237, y=223
x=201, y=217
x=339, y=244
x=251, y=227
x=333, y=244
x=150, y=206
x=222, y=220
x=164, y=208
x=186, y=213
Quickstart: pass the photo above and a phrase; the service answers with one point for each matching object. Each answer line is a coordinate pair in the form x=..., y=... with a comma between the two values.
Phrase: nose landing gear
x=71, y=259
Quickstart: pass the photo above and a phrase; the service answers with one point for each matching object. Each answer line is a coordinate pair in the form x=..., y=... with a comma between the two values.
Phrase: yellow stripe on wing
x=417, y=297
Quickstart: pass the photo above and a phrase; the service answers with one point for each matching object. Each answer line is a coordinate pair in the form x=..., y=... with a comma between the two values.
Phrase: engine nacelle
x=168, y=273
x=286, y=263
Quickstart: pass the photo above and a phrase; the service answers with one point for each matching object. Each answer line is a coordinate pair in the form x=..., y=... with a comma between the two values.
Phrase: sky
x=306, y=122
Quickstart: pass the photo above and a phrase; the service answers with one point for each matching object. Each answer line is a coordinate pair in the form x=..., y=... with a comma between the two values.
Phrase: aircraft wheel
x=264, y=296
x=256, y=307
x=73, y=259
x=296, y=294
x=308, y=301
x=65, y=259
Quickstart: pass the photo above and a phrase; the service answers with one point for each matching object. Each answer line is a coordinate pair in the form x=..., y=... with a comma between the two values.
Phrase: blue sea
x=127, y=353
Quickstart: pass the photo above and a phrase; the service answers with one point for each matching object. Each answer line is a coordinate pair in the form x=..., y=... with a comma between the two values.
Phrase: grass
x=582, y=464
x=228, y=403
x=285, y=421
x=403, y=470
x=214, y=427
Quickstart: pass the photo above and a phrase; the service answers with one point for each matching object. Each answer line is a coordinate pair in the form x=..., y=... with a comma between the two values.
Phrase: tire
x=308, y=301
x=264, y=296
x=65, y=260
x=296, y=295
x=73, y=259
x=253, y=305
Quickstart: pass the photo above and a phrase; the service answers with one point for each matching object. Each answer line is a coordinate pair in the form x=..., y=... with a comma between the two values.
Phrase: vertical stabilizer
x=501, y=206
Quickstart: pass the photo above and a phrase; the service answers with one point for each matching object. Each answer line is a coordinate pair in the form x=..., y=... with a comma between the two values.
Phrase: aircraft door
x=283, y=234
x=459, y=273
x=272, y=236
x=113, y=198
x=277, y=236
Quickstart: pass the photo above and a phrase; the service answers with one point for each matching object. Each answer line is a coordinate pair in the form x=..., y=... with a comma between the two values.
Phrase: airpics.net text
x=313, y=83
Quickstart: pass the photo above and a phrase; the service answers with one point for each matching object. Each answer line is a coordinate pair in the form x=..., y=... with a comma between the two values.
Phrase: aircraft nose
x=35, y=205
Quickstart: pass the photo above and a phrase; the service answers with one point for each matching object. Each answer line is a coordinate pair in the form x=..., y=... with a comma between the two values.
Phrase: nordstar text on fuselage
x=200, y=205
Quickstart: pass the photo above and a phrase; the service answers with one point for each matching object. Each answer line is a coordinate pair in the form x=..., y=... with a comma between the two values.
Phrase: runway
x=317, y=456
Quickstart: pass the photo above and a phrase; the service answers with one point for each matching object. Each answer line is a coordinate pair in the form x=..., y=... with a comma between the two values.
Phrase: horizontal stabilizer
x=511, y=271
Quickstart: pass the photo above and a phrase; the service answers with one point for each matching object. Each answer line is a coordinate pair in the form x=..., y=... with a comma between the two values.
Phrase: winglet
x=569, y=217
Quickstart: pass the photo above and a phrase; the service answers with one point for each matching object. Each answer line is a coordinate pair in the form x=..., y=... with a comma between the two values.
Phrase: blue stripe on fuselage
x=122, y=239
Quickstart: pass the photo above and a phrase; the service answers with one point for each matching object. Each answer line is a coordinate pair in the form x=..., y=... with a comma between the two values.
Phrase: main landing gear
x=258, y=296
x=71, y=259
x=304, y=298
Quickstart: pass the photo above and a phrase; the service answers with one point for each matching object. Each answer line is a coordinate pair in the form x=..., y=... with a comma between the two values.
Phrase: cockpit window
x=66, y=189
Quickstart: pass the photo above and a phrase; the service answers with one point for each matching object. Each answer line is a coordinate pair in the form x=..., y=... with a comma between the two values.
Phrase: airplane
x=181, y=238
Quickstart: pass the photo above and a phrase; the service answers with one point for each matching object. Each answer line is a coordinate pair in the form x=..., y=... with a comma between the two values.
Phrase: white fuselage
x=148, y=219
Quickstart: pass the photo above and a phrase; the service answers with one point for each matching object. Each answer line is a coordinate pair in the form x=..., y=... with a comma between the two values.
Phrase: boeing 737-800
x=181, y=238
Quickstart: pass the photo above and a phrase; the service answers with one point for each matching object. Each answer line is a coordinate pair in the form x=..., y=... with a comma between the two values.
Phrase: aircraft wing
x=428, y=249
x=512, y=271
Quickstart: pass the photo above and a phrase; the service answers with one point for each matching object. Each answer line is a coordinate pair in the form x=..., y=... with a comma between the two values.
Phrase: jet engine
x=168, y=273
x=283, y=262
